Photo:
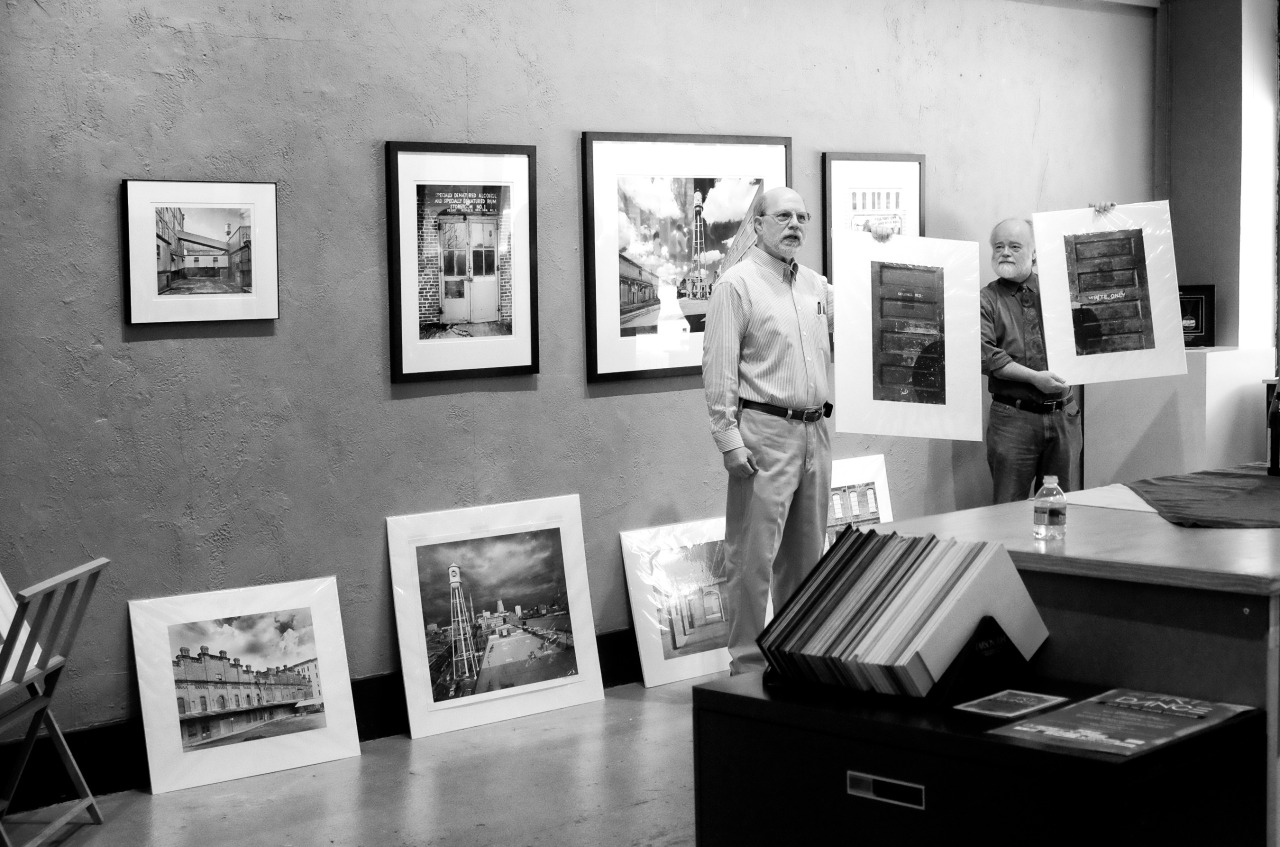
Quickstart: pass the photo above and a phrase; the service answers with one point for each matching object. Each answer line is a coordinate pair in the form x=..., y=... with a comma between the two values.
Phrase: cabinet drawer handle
x=885, y=790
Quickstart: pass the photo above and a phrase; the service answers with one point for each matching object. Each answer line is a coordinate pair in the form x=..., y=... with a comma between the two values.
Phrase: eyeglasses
x=784, y=218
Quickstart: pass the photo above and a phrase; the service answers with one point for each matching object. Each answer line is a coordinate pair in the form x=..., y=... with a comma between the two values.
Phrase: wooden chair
x=38, y=640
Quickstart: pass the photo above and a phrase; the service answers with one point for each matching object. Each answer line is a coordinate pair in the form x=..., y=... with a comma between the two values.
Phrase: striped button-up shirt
x=767, y=339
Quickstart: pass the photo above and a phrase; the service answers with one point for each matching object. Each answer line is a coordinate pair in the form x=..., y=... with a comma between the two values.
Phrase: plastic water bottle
x=1049, y=522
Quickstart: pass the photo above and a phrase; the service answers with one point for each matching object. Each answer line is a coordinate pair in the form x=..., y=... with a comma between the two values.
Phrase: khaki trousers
x=775, y=524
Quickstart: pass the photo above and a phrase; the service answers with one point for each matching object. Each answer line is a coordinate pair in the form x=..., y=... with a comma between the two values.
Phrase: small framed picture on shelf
x=1198, y=314
x=664, y=216
x=243, y=681
x=199, y=251
x=462, y=255
x=866, y=191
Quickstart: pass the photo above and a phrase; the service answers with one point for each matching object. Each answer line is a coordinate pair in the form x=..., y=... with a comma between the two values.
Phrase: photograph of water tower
x=204, y=250
x=496, y=613
x=676, y=235
x=246, y=678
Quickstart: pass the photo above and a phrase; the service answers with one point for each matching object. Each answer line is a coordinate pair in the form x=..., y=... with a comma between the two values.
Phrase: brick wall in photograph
x=504, y=266
x=428, y=264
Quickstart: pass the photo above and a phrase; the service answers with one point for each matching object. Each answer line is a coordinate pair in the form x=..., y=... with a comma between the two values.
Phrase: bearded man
x=1034, y=427
x=764, y=365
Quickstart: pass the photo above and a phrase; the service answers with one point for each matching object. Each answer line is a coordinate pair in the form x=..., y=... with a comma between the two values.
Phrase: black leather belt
x=1030, y=405
x=813, y=414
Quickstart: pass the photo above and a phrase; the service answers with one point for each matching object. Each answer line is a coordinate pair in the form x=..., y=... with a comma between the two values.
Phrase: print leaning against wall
x=676, y=581
x=242, y=681
x=493, y=612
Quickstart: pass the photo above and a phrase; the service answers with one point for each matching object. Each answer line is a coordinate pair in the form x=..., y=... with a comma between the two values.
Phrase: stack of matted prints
x=889, y=613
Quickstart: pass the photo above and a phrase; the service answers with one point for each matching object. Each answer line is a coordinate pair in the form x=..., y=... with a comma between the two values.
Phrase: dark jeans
x=1024, y=447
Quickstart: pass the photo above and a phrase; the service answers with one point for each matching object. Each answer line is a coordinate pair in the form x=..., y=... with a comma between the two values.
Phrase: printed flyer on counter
x=1011, y=703
x=1121, y=721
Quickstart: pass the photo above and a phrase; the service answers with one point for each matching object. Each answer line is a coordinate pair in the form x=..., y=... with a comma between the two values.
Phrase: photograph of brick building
x=246, y=678
x=204, y=250
x=464, y=261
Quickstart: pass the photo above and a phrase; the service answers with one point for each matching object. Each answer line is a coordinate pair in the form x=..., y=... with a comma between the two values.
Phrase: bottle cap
x=1050, y=479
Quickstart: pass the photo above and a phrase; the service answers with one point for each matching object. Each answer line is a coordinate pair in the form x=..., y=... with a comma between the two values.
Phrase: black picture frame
x=199, y=250
x=462, y=260
x=862, y=189
x=627, y=336
x=1199, y=314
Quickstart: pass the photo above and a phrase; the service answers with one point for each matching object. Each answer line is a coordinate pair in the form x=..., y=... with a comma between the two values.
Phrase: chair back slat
x=37, y=622
x=87, y=585
x=11, y=639
x=57, y=640
x=47, y=619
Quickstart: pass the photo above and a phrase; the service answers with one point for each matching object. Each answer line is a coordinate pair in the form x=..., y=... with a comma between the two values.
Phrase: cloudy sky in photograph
x=521, y=569
x=267, y=640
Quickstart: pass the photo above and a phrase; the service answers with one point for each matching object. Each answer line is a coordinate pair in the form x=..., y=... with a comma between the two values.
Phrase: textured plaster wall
x=211, y=456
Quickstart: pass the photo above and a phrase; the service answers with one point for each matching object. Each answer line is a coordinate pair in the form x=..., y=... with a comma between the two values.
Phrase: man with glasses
x=1034, y=428
x=765, y=357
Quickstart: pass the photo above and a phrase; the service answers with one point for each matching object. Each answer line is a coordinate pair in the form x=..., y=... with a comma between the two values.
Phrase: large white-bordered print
x=664, y=216
x=493, y=613
x=676, y=581
x=1109, y=293
x=242, y=682
x=907, y=336
x=461, y=249
x=199, y=251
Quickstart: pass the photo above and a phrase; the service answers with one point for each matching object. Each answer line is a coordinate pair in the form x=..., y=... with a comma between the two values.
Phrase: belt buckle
x=812, y=415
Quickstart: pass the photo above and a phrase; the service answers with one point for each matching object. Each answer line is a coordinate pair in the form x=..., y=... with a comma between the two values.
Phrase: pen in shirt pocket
x=821, y=308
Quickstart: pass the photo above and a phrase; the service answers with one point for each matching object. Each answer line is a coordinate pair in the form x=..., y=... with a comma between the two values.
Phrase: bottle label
x=1050, y=515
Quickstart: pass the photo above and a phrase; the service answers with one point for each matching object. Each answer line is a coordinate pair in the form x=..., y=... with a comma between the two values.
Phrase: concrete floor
x=619, y=772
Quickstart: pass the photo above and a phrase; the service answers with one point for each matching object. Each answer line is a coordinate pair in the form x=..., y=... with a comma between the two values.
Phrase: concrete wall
x=211, y=456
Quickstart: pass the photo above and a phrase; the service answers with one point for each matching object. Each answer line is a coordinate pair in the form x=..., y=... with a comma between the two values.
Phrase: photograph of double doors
x=464, y=265
x=469, y=270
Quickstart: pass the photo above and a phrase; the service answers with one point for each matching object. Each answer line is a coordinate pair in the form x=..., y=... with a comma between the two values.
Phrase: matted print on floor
x=859, y=494
x=242, y=682
x=907, y=336
x=493, y=613
x=1109, y=293
x=676, y=580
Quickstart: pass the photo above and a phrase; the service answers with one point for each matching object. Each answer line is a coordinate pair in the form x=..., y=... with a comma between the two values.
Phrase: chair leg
x=73, y=769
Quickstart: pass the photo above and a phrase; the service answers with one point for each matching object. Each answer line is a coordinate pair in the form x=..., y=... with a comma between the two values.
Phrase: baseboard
x=113, y=756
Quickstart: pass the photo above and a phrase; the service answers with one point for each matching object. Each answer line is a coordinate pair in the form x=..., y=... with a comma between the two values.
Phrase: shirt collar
x=1031, y=282
x=786, y=270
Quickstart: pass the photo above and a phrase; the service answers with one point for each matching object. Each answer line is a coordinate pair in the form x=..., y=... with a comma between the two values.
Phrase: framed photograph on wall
x=859, y=494
x=861, y=191
x=493, y=613
x=664, y=216
x=1199, y=314
x=908, y=336
x=242, y=682
x=462, y=255
x=199, y=251
x=1109, y=293
x=679, y=604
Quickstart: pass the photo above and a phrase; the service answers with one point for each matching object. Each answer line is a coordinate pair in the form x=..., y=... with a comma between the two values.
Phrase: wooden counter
x=1132, y=600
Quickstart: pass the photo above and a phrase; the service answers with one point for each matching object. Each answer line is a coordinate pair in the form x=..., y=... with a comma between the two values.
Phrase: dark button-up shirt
x=1004, y=333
